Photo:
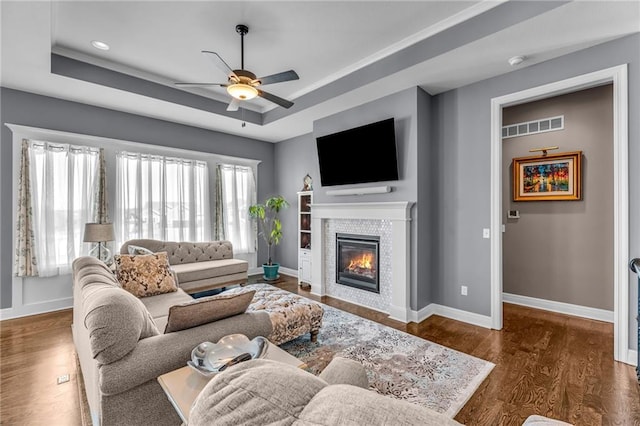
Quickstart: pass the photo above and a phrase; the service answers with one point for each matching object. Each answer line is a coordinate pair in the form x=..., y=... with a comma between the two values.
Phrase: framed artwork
x=545, y=178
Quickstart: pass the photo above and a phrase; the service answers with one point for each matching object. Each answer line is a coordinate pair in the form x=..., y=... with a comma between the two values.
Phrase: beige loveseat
x=198, y=266
x=122, y=349
x=261, y=392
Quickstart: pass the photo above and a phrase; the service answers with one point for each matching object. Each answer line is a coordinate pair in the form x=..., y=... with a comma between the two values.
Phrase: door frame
x=618, y=76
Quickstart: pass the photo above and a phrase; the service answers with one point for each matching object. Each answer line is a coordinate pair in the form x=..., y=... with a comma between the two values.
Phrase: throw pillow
x=207, y=309
x=146, y=274
x=138, y=250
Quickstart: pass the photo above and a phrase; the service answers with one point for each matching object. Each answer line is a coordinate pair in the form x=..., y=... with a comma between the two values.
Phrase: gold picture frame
x=548, y=178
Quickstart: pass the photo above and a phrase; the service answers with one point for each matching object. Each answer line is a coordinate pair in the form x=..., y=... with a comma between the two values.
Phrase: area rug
x=398, y=364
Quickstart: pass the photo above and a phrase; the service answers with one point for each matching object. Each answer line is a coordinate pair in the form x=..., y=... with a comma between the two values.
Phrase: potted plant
x=270, y=229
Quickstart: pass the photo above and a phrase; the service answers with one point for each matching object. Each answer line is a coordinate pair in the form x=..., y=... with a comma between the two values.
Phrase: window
x=237, y=191
x=63, y=184
x=161, y=198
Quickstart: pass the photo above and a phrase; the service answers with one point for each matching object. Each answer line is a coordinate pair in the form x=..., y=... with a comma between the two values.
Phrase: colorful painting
x=550, y=177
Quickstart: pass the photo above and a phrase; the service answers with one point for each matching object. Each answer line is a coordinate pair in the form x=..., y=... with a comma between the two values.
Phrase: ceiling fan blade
x=200, y=84
x=220, y=63
x=277, y=78
x=233, y=105
x=275, y=99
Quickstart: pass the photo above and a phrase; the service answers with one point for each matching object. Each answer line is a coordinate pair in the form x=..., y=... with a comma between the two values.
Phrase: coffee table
x=183, y=385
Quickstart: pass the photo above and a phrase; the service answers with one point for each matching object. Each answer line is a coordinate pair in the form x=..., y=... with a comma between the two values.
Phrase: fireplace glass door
x=357, y=261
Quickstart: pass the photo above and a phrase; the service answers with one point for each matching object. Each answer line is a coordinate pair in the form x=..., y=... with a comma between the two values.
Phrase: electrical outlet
x=63, y=379
x=463, y=290
x=486, y=233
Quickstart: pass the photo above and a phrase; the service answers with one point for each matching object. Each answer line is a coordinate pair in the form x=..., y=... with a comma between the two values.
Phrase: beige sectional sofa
x=122, y=349
x=261, y=392
x=198, y=266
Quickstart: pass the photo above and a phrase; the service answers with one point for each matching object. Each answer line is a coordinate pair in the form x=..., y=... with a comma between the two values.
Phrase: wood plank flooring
x=546, y=363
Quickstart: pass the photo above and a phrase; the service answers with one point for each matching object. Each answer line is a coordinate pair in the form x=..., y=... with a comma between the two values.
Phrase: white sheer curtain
x=238, y=193
x=64, y=185
x=161, y=198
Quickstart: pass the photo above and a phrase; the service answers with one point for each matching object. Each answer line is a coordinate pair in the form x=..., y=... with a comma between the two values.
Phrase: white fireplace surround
x=399, y=214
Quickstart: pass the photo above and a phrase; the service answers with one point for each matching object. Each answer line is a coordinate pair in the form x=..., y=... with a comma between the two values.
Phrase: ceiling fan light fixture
x=242, y=91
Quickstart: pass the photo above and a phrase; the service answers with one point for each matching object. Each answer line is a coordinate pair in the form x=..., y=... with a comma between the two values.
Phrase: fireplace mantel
x=399, y=214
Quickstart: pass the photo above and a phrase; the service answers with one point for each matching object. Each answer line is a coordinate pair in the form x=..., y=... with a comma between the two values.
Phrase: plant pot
x=270, y=271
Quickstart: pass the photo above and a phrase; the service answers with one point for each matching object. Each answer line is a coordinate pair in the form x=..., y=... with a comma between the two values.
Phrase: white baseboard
x=560, y=307
x=36, y=308
x=451, y=313
x=632, y=357
x=422, y=314
x=288, y=271
x=282, y=270
x=255, y=271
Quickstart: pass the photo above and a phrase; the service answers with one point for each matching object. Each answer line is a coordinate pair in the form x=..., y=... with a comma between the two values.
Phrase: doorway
x=618, y=77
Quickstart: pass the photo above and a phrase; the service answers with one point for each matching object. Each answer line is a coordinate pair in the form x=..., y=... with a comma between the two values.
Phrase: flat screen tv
x=360, y=155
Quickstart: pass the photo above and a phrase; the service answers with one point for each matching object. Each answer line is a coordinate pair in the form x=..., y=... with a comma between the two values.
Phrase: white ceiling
x=322, y=41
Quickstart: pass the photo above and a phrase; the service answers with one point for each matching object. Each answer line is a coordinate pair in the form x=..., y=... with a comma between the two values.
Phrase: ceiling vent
x=542, y=125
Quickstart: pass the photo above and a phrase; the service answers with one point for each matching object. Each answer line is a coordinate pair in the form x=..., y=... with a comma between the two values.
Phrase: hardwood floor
x=34, y=351
x=546, y=363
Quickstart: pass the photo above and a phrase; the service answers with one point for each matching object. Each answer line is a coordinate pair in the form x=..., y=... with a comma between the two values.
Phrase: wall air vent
x=543, y=125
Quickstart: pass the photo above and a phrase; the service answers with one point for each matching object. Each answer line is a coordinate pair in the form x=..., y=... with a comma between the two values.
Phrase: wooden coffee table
x=183, y=385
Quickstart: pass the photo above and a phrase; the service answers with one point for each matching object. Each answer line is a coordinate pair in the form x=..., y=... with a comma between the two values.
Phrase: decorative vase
x=270, y=271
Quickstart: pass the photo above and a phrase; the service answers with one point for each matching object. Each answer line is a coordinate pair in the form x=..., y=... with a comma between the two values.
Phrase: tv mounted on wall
x=360, y=155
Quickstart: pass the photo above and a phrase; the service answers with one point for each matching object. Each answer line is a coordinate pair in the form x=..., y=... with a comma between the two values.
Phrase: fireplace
x=357, y=260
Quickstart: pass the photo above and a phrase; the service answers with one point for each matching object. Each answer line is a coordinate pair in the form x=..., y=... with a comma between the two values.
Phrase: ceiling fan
x=242, y=84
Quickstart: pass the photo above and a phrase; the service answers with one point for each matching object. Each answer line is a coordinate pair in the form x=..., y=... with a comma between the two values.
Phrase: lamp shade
x=98, y=232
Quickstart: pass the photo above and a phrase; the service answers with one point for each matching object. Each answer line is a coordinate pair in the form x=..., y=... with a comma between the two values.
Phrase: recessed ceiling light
x=516, y=60
x=100, y=45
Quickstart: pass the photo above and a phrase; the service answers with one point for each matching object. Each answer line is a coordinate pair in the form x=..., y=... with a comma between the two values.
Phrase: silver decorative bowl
x=210, y=358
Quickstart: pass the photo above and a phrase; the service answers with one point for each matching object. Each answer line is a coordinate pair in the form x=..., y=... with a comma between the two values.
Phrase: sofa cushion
x=116, y=321
x=257, y=392
x=158, y=305
x=138, y=250
x=209, y=269
x=207, y=309
x=145, y=275
x=350, y=405
x=344, y=371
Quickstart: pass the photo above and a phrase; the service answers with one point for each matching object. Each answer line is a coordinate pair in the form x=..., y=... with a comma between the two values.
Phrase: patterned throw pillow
x=145, y=275
x=138, y=250
x=207, y=309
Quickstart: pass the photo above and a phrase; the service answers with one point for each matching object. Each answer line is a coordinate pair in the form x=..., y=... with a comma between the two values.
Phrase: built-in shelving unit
x=305, y=198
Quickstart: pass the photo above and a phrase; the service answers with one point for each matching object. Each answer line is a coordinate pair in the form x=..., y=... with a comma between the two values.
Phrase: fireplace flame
x=363, y=262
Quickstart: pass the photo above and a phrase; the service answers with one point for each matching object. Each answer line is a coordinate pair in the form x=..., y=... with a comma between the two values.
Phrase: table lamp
x=99, y=233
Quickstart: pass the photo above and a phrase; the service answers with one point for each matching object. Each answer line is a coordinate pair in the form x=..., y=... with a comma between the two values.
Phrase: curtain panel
x=26, y=263
x=161, y=198
x=64, y=181
x=237, y=187
x=101, y=204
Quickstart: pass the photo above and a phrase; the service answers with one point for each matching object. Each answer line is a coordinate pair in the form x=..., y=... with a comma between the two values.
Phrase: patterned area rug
x=398, y=364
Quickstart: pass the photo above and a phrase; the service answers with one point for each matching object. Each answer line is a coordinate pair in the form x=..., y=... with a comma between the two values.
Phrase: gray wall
x=294, y=158
x=40, y=111
x=298, y=156
x=463, y=137
x=563, y=250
